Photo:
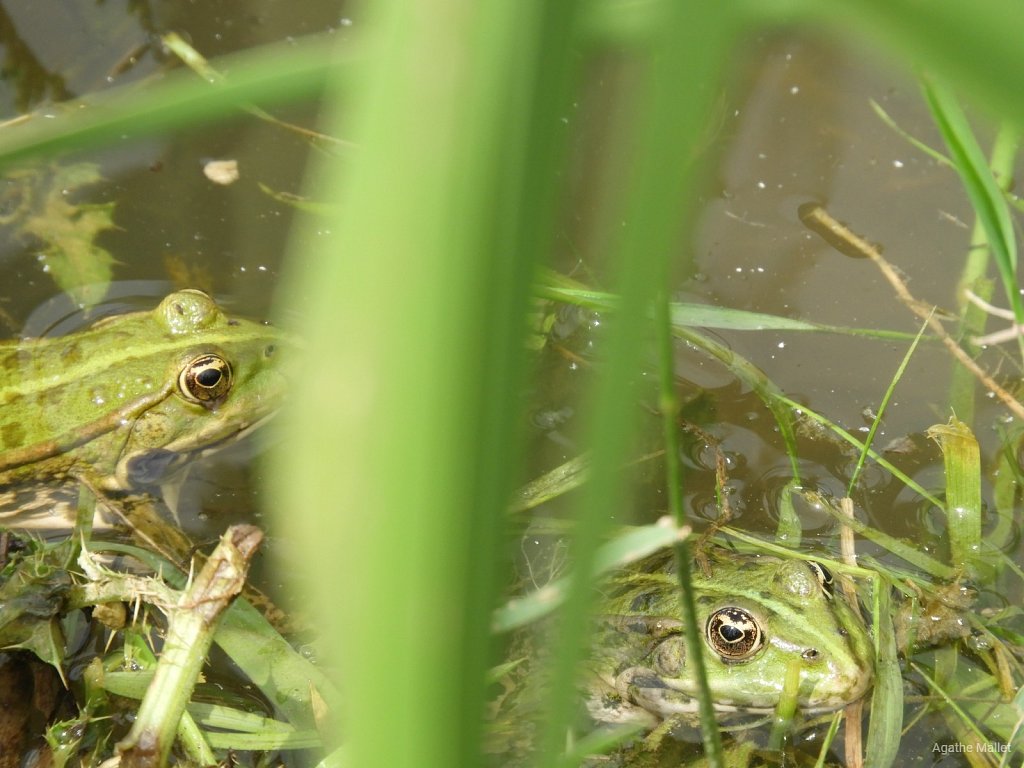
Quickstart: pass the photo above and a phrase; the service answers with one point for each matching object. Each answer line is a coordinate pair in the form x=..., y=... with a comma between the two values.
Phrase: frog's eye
x=205, y=380
x=824, y=578
x=734, y=634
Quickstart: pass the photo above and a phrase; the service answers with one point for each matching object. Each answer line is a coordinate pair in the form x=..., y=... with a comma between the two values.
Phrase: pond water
x=796, y=127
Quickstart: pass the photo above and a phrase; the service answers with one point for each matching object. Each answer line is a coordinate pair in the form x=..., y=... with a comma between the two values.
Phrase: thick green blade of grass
x=887, y=698
x=962, y=461
x=982, y=189
x=403, y=439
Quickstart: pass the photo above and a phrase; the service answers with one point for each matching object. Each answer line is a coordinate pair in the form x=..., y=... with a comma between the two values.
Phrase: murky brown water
x=798, y=127
x=169, y=216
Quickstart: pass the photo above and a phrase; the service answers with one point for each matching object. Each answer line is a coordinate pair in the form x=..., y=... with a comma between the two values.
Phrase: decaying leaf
x=33, y=588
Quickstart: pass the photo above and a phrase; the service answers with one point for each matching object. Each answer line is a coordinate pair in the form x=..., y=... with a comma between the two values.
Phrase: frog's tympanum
x=756, y=616
x=122, y=404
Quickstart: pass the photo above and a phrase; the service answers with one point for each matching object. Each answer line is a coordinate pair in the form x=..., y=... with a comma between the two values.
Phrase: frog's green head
x=778, y=615
x=759, y=619
x=197, y=378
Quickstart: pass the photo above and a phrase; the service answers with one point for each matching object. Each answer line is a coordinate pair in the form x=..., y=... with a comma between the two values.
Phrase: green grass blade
x=880, y=411
x=934, y=154
x=883, y=738
x=883, y=462
x=270, y=75
x=669, y=406
x=782, y=720
x=826, y=742
x=754, y=377
x=899, y=548
x=404, y=436
x=986, y=197
x=962, y=461
x=971, y=726
x=598, y=742
x=688, y=315
x=680, y=63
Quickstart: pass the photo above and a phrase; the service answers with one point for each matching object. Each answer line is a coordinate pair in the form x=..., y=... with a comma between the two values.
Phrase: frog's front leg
x=648, y=691
x=609, y=702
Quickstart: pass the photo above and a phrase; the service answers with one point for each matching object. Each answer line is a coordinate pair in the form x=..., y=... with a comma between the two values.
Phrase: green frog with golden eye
x=757, y=617
x=121, y=405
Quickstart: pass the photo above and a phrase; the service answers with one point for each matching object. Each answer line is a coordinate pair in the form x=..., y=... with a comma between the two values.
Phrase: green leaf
x=962, y=460
x=987, y=199
x=689, y=315
x=883, y=739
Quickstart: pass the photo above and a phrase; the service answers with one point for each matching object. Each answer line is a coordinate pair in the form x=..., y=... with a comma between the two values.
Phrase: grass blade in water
x=887, y=699
x=961, y=457
x=986, y=197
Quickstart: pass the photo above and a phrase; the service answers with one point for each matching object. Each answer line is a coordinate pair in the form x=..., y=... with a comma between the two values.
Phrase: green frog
x=756, y=616
x=123, y=404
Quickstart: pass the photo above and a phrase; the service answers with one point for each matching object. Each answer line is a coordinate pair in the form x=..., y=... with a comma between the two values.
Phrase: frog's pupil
x=209, y=377
x=731, y=634
x=824, y=577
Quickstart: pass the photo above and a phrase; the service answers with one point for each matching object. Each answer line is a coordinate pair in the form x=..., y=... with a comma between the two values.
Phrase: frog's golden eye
x=824, y=578
x=734, y=634
x=205, y=380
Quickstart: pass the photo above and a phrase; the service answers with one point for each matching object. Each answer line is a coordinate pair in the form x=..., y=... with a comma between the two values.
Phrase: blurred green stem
x=405, y=430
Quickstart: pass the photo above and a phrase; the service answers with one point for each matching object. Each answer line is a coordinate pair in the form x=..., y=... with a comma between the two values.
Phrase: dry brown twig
x=822, y=223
